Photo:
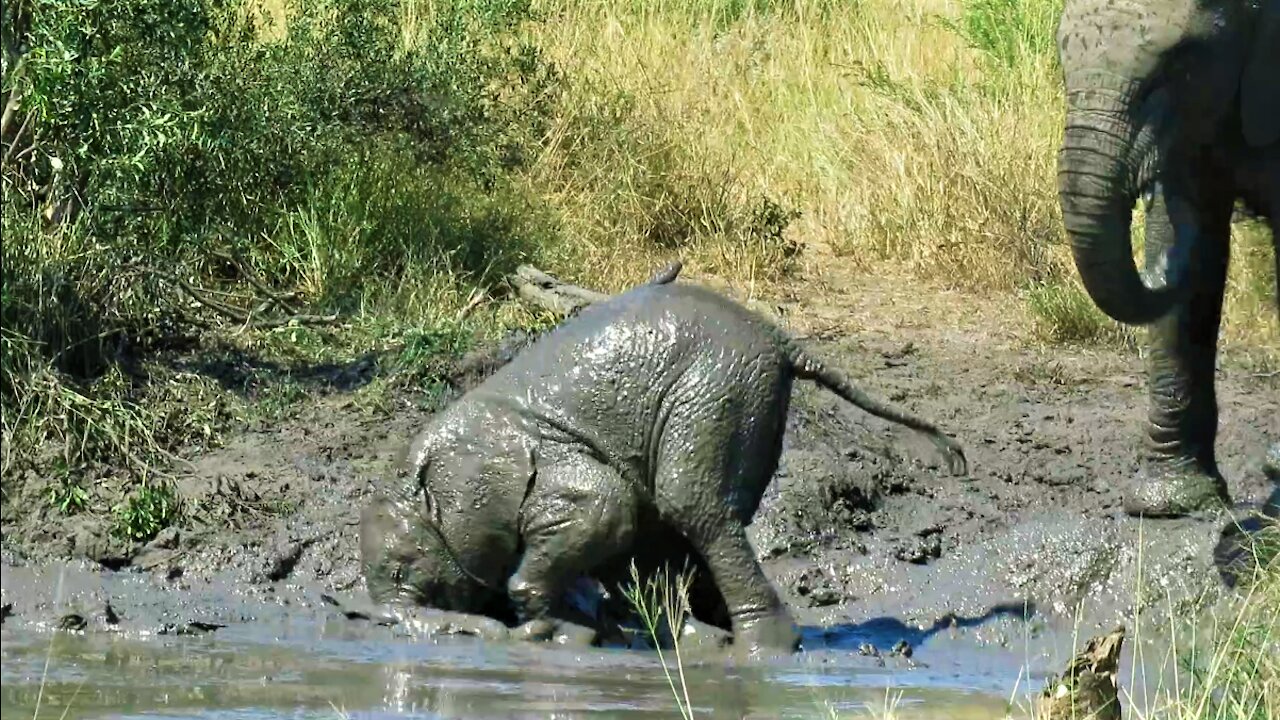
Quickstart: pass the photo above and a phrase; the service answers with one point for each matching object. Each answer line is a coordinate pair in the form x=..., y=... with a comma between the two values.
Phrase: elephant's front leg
x=1179, y=474
x=579, y=515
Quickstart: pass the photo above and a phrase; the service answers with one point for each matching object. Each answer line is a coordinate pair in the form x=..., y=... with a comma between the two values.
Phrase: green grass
x=661, y=602
x=150, y=508
x=1238, y=677
x=67, y=495
x=1063, y=313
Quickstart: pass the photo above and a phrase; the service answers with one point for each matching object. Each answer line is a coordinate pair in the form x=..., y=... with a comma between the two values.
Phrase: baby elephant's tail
x=810, y=368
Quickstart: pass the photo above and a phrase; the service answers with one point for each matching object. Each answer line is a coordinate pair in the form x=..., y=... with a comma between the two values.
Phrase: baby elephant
x=657, y=411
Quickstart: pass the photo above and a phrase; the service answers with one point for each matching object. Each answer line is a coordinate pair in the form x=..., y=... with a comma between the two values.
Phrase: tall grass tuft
x=661, y=602
x=1238, y=677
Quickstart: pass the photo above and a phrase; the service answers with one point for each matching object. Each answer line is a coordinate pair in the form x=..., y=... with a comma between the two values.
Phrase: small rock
x=5, y=611
x=823, y=597
x=166, y=539
x=902, y=649
x=110, y=614
x=904, y=351
x=921, y=551
x=359, y=611
x=868, y=649
x=1271, y=465
x=195, y=627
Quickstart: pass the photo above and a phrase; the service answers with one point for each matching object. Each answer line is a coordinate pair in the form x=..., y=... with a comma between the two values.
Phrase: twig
x=17, y=136
x=282, y=299
x=294, y=320
x=477, y=298
x=241, y=316
x=26, y=151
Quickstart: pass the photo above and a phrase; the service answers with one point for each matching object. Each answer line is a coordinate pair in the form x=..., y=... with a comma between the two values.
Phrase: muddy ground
x=859, y=529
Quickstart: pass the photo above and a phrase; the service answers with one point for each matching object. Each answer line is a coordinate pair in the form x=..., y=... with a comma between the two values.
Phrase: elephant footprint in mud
x=643, y=430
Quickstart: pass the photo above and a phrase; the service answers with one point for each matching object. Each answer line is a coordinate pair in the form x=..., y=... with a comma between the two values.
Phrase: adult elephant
x=1177, y=102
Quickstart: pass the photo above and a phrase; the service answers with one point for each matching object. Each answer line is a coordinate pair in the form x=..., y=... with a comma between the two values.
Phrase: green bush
x=173, y=144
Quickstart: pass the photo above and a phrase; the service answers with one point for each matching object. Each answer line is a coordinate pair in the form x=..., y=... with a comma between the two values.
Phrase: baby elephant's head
x=406, y=560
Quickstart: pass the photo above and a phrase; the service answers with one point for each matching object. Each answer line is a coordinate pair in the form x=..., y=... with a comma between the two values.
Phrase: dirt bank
x=858, y=527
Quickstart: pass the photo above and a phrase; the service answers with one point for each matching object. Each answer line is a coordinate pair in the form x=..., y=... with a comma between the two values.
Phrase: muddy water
x=191, y=645
x=278, y=652
x=333, y=673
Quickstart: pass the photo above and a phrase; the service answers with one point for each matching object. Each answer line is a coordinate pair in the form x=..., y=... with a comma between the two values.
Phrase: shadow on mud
x=1236, y=553
x=241, y=372
x=883, y=633
x=249, y=374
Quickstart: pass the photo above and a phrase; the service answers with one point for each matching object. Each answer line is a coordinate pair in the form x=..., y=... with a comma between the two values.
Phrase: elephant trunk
x=1105, y=160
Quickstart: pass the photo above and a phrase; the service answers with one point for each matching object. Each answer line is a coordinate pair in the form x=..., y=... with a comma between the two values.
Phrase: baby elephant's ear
x=1260, y=84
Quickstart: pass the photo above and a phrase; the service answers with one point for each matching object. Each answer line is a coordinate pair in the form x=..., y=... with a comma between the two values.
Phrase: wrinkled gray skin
x=1177, y=102
x=645, y=428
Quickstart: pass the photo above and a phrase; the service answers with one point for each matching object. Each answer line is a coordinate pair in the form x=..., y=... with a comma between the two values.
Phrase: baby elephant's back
x=628, y=350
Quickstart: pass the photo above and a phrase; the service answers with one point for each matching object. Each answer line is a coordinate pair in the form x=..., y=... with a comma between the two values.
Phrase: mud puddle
x=82, y=642
x=333, y=674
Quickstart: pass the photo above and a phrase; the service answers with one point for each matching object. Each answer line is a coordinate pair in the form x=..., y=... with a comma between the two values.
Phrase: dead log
x=546, y=291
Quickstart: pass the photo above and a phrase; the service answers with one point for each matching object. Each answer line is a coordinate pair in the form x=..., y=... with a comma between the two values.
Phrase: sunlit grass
x=914, y=134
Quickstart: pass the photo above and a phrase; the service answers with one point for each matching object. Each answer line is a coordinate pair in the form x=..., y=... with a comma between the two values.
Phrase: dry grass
x=901, y=143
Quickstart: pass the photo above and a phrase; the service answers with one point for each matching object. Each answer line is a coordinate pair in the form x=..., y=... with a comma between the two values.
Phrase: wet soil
x=868, y=540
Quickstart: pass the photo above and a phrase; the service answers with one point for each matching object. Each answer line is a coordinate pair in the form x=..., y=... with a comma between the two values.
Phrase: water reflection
x=100, y=675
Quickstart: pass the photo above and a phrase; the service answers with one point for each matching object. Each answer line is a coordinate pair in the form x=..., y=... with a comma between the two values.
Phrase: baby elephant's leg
x=579, y=515
x=720, y=449
x=761, y=622
x=698, y=500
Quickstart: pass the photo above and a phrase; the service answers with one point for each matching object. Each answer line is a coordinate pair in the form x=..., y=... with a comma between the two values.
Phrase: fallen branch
x=561, y=298
x=284, y=300
x=245, y=318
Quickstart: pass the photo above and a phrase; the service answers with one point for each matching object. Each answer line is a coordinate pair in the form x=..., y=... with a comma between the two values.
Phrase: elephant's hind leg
x=718, y=455
x=579, y=515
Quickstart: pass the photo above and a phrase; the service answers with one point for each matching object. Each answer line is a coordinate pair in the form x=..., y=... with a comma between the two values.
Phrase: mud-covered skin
x=659, y=411
x=1178, y=102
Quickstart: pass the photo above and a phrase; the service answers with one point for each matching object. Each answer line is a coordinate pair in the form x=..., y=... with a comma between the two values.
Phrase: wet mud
x=978, y=583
